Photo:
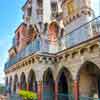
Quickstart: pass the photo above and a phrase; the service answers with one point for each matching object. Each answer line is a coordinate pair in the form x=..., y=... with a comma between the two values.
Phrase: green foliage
x=27, y=95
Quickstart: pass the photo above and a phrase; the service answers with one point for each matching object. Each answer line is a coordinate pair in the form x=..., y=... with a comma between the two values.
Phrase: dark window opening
x=54, y=9
x=29, y=11
x=40, y=3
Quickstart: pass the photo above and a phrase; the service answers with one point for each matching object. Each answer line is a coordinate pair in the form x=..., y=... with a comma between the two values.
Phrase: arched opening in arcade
x=32, y=81
x=23, y=81
x=7, y=85
x=6, y=81
x=10, y=85
x=89, y=80
x=15, y=84
x=48, y=85
x=64, y=84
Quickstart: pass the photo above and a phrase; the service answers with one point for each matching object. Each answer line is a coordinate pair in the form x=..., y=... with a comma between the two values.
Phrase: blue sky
x=10, y=18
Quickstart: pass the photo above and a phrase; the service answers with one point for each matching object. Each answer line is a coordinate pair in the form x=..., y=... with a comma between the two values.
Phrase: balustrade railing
x=83, y=33
x=31, y=48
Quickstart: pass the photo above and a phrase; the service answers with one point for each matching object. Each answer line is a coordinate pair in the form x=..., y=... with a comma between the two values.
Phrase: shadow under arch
x=32, y=81
x=48, y=85
x=84, y=65
x=23, y=81
x=65, y=83
x=9, y=90
x=15, y=86
x=89, y=79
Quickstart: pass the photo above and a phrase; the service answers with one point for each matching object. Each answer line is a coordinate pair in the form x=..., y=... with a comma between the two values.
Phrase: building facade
x=56, y=51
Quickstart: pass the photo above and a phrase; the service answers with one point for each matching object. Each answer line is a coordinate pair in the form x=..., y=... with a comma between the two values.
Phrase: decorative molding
x=67, y=54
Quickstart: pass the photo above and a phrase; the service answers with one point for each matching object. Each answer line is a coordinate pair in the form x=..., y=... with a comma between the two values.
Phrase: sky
x=10, y=18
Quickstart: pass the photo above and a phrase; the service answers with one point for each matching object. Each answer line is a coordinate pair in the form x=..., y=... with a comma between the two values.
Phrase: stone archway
x=32, y=81
x=15, y=87
x=23, y=81
x=64, y=84
x=48, y=85
x=89, y=80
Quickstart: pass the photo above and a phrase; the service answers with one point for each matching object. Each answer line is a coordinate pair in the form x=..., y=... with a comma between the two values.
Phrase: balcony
x=82, y=34
x=33, y=47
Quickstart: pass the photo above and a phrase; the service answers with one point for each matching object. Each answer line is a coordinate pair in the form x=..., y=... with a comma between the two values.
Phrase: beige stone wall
x=73, y=63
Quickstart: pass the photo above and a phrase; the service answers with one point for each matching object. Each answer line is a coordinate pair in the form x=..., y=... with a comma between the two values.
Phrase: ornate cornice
x=69, y=53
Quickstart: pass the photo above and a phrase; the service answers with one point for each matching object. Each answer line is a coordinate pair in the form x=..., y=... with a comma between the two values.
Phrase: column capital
x=76, y=78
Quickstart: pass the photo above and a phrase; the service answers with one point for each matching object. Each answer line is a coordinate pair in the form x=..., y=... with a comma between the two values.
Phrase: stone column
x=19, y=86
x=56, y=90
x=76, y=90
x=39, y=90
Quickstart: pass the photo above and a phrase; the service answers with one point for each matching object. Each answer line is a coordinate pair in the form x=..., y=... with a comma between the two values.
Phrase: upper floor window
x=29, y=11
x=39, y=7
x=40, y=3
x=54, y=8
x=70, y=7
